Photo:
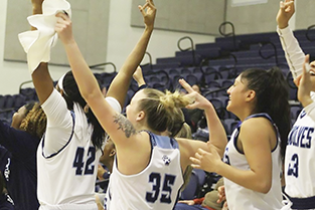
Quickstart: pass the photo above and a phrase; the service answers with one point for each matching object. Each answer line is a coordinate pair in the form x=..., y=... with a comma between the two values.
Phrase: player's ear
x=112, y=152
x=86, y=108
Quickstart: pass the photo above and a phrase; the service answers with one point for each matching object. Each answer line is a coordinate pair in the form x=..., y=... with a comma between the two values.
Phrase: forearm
x=293, y=52
x=137, y=54
x=217, y=135
x=84, y=77
x=129, y=67
x=37, y=9
x=246, y=178
x=42, y=82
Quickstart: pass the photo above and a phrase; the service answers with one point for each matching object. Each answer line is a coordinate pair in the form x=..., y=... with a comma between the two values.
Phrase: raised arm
x=117, y=126
x=124, y=75
x=41, y=78
x=37, y=8
x=293, y=52
x=217, y=135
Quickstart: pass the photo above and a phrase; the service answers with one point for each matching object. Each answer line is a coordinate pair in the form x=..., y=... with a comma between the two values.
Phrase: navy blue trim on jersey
x=265, y=115
x=237, y=129
x=163, y=142
x=72, y=132
x=302, y=203
x=302, y=114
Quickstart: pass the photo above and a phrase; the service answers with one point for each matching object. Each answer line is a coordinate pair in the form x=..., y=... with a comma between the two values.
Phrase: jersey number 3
x=78, y=162
x=155, y=178
x=294, y=166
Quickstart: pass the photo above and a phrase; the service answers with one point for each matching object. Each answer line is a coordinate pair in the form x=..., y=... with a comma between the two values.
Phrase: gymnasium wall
x=197, y=16
x=305, y=15
x=107, y=30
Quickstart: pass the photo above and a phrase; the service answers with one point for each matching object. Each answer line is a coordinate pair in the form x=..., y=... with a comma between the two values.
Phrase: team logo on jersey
x=166, y=160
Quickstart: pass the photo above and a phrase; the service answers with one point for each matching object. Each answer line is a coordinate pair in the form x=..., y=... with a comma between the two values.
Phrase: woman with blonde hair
x=148, y=171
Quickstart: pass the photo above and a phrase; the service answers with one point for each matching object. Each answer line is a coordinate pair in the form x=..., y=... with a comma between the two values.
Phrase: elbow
x=89, y=96
x=264, y=186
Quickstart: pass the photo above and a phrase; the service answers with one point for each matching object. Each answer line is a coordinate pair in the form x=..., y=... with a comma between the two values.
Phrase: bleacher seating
x=214, y=66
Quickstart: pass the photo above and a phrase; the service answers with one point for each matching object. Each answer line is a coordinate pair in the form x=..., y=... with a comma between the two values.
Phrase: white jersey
x=239, y=197
x=66, y=178
x=300, y=156
x=156, y=187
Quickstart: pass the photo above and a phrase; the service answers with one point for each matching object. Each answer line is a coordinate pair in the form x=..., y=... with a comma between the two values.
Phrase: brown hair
x=162, y=110
x=35, y=120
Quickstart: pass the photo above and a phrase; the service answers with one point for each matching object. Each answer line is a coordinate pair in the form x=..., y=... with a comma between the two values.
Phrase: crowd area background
x=119, y=45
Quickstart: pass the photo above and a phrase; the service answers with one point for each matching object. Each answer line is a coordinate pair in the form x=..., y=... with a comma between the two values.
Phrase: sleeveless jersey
x=239, y=197
x=156, y=187
x=70, y=174
x=300, y=157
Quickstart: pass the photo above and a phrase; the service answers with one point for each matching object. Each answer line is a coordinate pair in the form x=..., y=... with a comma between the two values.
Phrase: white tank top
x=69, y=175
x=300, y=159
x=239, y=197
x=156, y=187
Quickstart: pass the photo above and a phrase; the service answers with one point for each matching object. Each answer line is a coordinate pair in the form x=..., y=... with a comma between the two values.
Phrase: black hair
x=272, y=97
x=72, y=95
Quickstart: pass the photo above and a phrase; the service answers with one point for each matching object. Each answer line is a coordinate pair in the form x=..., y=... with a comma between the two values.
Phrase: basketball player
x=68, y=154
x=299, y=164
x=147, y=173
x=254, y=155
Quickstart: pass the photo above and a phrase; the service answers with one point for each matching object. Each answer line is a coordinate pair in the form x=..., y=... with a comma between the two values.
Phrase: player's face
x=108, y=152
x=18, y=117
x=132, y=110
x=237, y=95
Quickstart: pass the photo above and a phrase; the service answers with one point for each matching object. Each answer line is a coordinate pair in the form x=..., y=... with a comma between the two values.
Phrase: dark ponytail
x=71, y=95
x=280, y=108
x=272, y=95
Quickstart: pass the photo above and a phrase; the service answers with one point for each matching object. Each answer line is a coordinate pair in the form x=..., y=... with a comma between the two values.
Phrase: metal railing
x=275, y=54
x=232, y=33
x=189, y=48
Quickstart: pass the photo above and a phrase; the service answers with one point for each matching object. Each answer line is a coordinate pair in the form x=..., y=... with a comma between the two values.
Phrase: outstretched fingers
x=195, y=163
x=142, y=8
x=186, y=86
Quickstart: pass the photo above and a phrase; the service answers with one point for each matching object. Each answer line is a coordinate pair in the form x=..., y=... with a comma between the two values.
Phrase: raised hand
x=148, y=11
x=286, y=11
x=206, y=160
x=305, y=85
x=138, y=76
x=199, y=101
x=64, y=28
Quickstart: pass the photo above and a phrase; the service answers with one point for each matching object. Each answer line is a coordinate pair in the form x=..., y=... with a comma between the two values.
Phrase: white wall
x=121, y=40
x=122, y=37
